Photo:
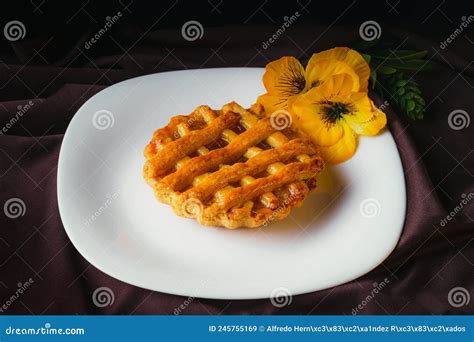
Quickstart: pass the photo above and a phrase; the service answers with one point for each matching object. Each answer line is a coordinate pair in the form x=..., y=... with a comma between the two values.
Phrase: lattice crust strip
x=236, y=185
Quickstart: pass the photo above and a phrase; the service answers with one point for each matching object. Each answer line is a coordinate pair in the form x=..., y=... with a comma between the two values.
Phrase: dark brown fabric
x=428, y=262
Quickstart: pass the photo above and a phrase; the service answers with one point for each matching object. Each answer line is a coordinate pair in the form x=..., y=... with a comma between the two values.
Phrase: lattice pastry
x=232, y=167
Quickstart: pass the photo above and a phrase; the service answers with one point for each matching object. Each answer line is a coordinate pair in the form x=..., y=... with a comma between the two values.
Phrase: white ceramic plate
x=342, y=231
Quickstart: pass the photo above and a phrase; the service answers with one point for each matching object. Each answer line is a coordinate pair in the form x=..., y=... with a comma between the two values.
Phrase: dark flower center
x=316, y=83
x=292, y=81
x=333, y=111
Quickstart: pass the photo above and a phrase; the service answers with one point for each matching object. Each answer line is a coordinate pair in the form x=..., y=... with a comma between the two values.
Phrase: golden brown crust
x=209, y=165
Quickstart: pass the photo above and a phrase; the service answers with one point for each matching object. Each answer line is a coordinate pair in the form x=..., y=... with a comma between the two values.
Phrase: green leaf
x=419, y=98
x=373, y=78
x=400, y=54
x=405, y=94
x=392, y=73
x=401, y=83
x=367, y=57
x=409, y=65
x=385, y=70
x=402, y=102
x=414, y=89
x=410, y=105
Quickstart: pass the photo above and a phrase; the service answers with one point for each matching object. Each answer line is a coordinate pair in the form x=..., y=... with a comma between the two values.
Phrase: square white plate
x=348, y=226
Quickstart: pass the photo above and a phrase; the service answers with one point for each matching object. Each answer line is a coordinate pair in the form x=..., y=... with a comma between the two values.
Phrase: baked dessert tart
x=233, y=167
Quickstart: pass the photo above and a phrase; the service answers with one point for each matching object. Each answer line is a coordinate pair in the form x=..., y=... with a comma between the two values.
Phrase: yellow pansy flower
x=334, y=114
x=285, y=78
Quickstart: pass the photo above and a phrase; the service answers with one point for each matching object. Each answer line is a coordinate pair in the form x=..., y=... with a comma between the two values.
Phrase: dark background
x=68, y=21
x=51, y=67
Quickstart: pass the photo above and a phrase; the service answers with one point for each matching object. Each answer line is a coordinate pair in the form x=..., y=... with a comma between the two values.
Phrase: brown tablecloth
x=431, y=259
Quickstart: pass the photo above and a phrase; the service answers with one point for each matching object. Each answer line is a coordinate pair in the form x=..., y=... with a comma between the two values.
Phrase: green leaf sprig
x=392, y=76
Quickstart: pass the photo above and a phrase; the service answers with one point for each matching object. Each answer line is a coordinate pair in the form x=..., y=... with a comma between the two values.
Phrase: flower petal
x=284, y=77
x=343, y=150
x=350, y=57
x=338, y=88
x=272, y=103
x=369, y=127
x=322, y=70
x=363, y=108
